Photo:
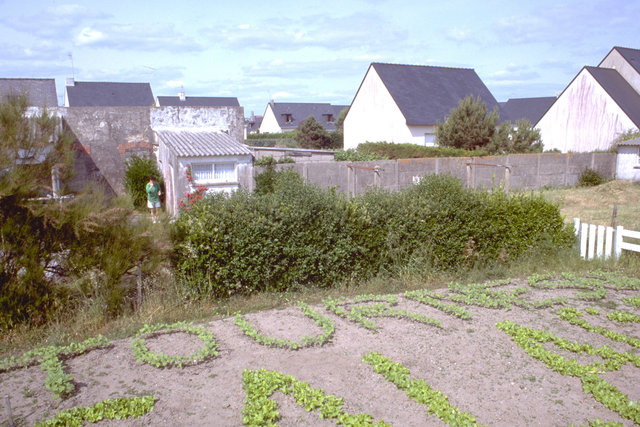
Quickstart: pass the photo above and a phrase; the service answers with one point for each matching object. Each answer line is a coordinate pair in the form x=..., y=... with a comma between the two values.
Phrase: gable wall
x=616, y=61
x=584, y=118
x=374, y=116
x=269, y=122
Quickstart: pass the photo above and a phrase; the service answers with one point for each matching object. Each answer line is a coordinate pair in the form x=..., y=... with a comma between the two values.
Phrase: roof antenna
x=73, y=70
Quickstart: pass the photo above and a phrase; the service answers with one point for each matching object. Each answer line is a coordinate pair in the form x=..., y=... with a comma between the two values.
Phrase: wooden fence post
x=592, y=241
x=583, y=240
x=617, y=246
x=608, y=245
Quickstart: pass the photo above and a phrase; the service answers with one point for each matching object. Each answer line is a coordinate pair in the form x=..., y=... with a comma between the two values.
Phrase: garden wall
x=515, y=171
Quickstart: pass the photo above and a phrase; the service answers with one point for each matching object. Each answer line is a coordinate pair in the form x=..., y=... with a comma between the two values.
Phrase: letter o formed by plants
x=161, y=360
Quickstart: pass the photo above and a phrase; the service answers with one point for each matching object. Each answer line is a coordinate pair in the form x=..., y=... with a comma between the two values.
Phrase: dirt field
x=479, y=367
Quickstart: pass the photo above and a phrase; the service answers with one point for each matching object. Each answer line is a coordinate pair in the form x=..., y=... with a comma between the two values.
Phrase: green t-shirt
x=152, y=192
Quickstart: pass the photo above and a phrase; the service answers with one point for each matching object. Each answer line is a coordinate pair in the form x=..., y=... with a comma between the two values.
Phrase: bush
x=387, y=150
x=296, y=236
x=311, y=134
x=590, y=178
x=300, y=235
x=139, y=169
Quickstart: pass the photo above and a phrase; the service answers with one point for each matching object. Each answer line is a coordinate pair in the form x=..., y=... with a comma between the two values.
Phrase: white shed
x=216, y=160
x=628, y=162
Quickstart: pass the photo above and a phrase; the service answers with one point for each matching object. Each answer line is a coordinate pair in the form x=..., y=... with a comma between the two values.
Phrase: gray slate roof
x=195, y=143
x=40, y=92
x=620, y=90
x=109, y=94
x=531, y=109
x=631, y=55
x=301, y=110
x=198, y=101
x=634, y=142
x=426, y=95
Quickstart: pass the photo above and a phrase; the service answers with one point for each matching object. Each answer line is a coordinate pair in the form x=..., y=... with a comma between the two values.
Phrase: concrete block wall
x=522, y=171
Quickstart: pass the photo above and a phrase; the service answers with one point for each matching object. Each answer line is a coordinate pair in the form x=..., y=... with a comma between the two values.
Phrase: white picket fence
x=598, y=241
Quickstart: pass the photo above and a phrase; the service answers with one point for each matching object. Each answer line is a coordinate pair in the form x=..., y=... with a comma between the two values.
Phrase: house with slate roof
x=217, y=162
x=197, y=101
x=286, y=116
x=597, y=106
x=403, y=103
x=107, y=94
x=530, y=109
x=39, y=92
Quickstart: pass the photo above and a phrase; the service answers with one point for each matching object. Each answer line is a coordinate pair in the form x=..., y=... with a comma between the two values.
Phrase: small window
x=288, y=117
x=329, y=117
x=429, y=139
x=213, y=172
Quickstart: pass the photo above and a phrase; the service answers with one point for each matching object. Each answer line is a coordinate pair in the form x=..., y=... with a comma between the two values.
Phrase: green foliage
x=110, y=409
x=419, y=390
x=274, y=136
x=353, y=155
x=468, y=126
x=260, y=410
x=628, y=135
x=590, y=178
x=49, y=358
x=55, y=254
x=161, y=360
x=139, y=170
x=325, y=323
x=269, y=160
x=375, y=306
x=312, y=134
x=521, y=138
x=295, y=236
x=433, y=300
x=300, y=235
x=389, y=151
x=532, y=340
x=441, y=224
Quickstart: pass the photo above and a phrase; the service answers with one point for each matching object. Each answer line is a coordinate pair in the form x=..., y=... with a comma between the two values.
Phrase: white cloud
x=88, y=36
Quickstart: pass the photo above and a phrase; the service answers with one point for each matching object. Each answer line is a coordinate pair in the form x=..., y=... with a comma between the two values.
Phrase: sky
x=298, y=51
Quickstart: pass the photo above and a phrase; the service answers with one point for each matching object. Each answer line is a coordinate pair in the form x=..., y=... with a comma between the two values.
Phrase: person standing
x=153, y=197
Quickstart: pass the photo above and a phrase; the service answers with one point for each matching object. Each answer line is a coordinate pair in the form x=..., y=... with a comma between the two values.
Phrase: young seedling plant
x=110, y=409
x=327, y=325
x=161, y=360
x=366, y=307
x=50, y=360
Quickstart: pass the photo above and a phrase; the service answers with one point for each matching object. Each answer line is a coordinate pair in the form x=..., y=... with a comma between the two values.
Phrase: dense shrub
x=297, y=235
x=136, y=176
x=590, y=178
x=387, y=150
x=300, y=235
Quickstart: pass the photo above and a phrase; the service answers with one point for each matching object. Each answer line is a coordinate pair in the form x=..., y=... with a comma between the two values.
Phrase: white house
x=597, y=106
x=403, y=103
x=217, y=162
x=628, y=161
x=286, y=116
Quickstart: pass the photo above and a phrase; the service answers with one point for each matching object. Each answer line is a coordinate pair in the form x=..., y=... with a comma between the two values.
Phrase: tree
x=312, y=134
x=139, y=169
x=337, y=136
x=468, y=126
x=521, y=138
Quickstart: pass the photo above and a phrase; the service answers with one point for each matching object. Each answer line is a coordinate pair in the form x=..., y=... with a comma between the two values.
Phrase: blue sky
x=309, y=52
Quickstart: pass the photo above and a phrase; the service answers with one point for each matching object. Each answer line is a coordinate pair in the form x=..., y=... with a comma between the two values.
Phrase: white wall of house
x=583, y=119
x=374, y=116
x=269, y=122
x=628, y=162
x=617, y=61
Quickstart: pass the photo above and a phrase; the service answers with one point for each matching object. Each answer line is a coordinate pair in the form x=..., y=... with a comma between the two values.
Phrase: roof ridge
x=628, y=48
x=422, y=66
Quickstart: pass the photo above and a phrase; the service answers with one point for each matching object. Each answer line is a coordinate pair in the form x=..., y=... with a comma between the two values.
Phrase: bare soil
x=479, y=368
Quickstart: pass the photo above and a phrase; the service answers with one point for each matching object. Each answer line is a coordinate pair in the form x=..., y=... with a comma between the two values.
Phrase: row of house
x=394, y=103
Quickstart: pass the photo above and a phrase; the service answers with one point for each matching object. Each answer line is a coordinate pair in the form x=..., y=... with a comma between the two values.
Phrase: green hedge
x=387, y=150
x=300, y=235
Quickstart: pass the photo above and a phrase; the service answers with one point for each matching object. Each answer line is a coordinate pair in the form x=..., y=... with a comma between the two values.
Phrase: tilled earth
x=480, y=368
